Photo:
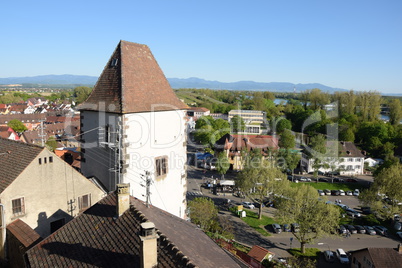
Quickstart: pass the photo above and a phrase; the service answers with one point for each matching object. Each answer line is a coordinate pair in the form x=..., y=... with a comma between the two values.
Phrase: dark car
x=322, y=179
x=351, y=180
x=351, y=228
x=381, y=230
x=335, y=192
x=286, y=228
x=360, y=229
x=366, y=210
x=397, y=226
x=342, y=229
x=276, y=228
x=295, y=227
x=369, y=230
x=338, y=180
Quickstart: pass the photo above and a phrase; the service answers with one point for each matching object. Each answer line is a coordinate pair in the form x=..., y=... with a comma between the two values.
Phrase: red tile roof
x=239, y=142
x=25, y=234
x=132, y=82
x=258, y=253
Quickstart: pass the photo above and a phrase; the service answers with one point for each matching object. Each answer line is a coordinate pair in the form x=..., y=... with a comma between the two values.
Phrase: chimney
x=123, y=198
x=149, y=250
x=399, y=248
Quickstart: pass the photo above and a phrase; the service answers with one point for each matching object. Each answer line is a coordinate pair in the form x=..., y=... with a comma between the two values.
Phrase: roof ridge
x=24, y=143
x=165, y=240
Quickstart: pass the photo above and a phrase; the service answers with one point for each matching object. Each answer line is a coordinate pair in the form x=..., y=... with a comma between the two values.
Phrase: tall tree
x=208, y=130
x=314, y=216
x=287, y=140
x=222, y=164
x=260, y=177
x=316, y=151
x=81, y=94
x=395, y=112
x=237, y=124
x=203, y=212
x=385, y=193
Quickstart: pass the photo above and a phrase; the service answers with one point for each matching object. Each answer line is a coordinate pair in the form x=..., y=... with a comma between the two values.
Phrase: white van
x=343, y=258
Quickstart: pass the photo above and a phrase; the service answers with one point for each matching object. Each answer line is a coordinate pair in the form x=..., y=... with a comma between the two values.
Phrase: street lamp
x=320, y=244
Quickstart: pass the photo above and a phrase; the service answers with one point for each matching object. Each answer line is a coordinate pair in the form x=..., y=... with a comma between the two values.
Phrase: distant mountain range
x=174, y=82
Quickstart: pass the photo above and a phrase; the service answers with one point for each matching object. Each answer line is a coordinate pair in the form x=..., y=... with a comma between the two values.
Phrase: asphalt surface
x=280, y=243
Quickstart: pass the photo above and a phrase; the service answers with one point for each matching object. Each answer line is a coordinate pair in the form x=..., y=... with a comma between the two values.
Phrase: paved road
x=280, y=243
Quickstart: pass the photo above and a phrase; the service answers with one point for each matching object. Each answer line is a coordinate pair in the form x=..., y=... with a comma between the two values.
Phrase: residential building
x=197, y=112
x=376, y=257
x=255, y=121
x=133, y=130
x=8, y=133
x=234, y=145
x=31, y=121
x=40, y=189
x=121, y=231
x=342, y=156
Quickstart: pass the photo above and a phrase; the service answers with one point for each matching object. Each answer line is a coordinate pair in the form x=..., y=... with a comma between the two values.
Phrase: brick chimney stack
x=123, y=198
x=149, y=250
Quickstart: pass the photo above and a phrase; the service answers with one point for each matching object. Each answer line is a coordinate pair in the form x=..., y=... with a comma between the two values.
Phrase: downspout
x=2, y=232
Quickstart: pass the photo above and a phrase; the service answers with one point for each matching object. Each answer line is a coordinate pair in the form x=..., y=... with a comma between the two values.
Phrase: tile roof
x=132, y=82
x=240, y=142
x=383, y=257
x=15, y=156
x=345, y=148
x=258, y=253
x=96, y=238
x=188, y=238
x=25, y=234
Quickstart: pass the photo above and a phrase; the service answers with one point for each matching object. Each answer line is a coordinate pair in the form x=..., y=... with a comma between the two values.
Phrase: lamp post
x=320, y=244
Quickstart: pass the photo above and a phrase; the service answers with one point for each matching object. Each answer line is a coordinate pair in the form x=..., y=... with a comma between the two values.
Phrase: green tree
x=384, y=194
x=287, y=140
x=283, y=124
x=208, y=130
x=316, y=151
x=314, y=216
x=395, y=112
x=17, y=125
x=237, y=124
x=260, y=177
x=203, y=212
x=222, y=164
x=290, y=159
x=81, y=94
x=51, y=144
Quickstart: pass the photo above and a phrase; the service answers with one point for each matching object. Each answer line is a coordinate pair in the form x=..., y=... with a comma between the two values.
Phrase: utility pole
x=148, y=184
x=72, y=207
x=42, y=135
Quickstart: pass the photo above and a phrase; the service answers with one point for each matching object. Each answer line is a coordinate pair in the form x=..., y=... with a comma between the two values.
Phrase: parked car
x=329, y=256
x=276, y=228
x=369, y=230
x=304, y=179
x=352, y=213
x=335, y=192
x=341, y=192
x=320, y=192
x=322, y=179
x=356, y=192
x=381, y=230
x=360, y=229
x=343, y=206
x=338, y=180
x=295, y=227
x=341, y=254
x=398, y=226
x=399, y=234
x=349, y=193
x=366, y=210
x=286, y=228
x=342, y=229
x=327, y=192
x=248, y=205
x=351, y=228
x=351, y=180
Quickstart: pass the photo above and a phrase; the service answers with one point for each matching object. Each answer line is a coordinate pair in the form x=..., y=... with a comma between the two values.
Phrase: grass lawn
x=310, y=252
x=259, y=225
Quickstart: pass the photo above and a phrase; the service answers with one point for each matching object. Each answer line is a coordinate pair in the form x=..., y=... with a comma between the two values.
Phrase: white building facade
x=134, y=130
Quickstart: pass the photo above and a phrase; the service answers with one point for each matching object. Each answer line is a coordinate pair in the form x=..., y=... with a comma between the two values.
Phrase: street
x=280, y=243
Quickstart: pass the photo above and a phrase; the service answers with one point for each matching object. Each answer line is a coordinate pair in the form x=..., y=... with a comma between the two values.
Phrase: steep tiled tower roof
x=132, y=82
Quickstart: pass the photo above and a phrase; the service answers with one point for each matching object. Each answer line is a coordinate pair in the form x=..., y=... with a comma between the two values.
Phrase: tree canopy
x=17, y=125
x=203, y=212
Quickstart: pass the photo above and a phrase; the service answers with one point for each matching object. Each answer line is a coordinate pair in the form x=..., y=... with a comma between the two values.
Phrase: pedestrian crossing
x=194, y=193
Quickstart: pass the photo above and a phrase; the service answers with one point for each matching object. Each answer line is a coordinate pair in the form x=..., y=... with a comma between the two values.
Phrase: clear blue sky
x=350, y=44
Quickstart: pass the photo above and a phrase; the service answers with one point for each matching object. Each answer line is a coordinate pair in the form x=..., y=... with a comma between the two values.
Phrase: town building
x=343, y=157
x=40, y=189
x=133, y=130
x=376, y=257
x=255, y=121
